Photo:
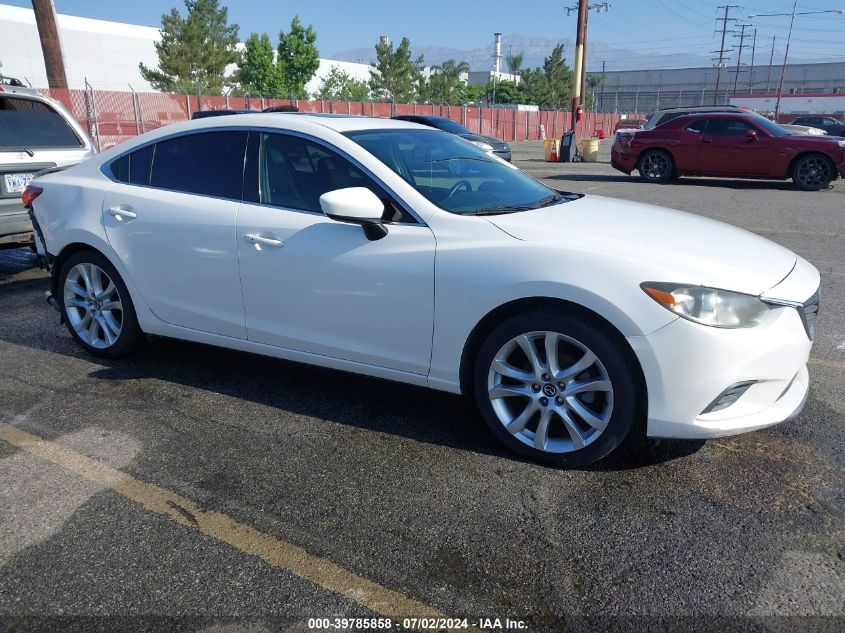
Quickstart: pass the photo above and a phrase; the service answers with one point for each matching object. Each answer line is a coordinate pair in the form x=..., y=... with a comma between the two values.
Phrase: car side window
x=727, y=127
x=697, y=126
x=206, y=163
x=293, y=173
x=134, y=167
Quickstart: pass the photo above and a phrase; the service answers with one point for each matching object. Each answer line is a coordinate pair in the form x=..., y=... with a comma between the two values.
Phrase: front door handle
x=707, y=140
x=123, y=212
x=261, y=240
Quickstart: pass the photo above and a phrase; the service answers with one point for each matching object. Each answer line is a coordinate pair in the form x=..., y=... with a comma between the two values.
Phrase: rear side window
x=697, y=126
x=28, y=124
x=209, y=163
x=134, y=168
x=727, y=127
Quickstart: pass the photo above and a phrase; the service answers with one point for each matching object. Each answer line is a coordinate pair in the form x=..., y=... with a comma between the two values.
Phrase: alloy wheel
x=550, y=391
x=814, y=172
x=93, y=305
x=655, y=166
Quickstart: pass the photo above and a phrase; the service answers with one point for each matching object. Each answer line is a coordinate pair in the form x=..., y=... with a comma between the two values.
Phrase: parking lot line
x=272, y=550
x=824, y=362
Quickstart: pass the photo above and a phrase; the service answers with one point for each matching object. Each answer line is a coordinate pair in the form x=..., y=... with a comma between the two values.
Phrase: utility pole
x=739, y=55
x=580, y=71
x=51, y=46
x=579, y=60
x=751, y=72
x=771, y=58
x=720, y=64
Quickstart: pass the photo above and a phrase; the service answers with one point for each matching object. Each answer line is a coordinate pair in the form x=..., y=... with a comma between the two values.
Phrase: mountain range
x=536, y=49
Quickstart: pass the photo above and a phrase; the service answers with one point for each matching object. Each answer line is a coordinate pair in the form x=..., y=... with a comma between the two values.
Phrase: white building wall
x=816, y=103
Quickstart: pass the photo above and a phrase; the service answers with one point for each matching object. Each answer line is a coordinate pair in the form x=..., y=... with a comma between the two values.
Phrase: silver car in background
x=36, y=133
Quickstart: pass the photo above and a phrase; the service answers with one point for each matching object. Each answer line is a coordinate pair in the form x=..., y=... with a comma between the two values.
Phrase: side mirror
x=356, y=205
x=751, y=135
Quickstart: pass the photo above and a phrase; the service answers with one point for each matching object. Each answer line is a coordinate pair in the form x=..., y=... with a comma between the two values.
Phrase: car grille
x=808, y=313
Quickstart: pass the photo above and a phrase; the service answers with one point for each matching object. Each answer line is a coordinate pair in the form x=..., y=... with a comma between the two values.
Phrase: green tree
x=446, y=81
x=559, y=78
x=257, y=70
x=514, y=62
x=396, y=75
x=506, y=92
x=194, y=51
x=298, y=58
x=469, y=94
x=338, y=85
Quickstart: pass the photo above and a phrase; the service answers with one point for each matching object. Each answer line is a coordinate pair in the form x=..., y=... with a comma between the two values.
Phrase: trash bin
x=548, y=146
x=590, y=150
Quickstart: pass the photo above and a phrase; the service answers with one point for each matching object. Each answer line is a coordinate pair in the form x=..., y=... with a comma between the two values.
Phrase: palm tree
x=446, y=80
x=514, y=62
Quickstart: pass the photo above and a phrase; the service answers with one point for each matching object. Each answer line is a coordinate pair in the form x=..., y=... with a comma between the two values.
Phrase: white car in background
x=394, y=250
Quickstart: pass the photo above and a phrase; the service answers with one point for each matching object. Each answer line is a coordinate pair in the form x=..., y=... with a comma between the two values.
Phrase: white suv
x=36, y=133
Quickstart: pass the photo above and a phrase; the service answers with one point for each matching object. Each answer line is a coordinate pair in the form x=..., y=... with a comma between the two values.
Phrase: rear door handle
x=261, y=240
x=123, y=212
x=707, y=140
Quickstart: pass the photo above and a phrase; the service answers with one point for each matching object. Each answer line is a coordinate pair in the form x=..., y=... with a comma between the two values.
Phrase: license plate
x=15, y=183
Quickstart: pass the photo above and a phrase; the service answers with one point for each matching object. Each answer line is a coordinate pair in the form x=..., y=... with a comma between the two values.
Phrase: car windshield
x=448, y=125
x=28, y=123
x=770, y=126
x=454, y=174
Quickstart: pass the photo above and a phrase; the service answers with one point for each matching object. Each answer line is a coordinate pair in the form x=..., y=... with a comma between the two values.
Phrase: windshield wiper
x=17, y=149
x=497, y=210
x=476, y=158
x=548, y=201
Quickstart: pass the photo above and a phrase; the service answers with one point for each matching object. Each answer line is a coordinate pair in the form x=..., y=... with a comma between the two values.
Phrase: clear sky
x=685, y=26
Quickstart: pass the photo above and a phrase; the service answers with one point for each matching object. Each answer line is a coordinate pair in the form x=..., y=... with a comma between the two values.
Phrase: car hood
x=490, y=140
x=663, y=244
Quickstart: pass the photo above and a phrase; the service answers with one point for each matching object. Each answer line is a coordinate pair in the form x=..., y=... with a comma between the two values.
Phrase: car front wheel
x=656, y=166
x=813, y=172
x=555, y=388
x=96, y=306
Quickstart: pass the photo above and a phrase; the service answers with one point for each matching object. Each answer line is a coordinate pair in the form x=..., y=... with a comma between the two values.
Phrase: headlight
x=841, y=143
x=485, y=146
x=708, y=306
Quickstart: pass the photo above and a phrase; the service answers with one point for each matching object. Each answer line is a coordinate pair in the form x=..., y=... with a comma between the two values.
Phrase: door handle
x=261, y=240
x=123, y=213
x=707, y=140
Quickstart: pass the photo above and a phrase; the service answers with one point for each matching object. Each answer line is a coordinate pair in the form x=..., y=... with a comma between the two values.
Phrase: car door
x=170, y=218
x=686, y=146
x=320, y=286
x=726, y=150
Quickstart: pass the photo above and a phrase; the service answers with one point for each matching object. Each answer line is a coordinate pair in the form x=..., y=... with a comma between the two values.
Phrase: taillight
x=30, y=193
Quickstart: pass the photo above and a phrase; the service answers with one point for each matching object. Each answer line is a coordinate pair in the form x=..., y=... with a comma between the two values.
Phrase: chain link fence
x=111, y=116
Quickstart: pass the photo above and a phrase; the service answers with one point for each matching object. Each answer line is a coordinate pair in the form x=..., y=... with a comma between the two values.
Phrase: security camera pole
x=48, y=32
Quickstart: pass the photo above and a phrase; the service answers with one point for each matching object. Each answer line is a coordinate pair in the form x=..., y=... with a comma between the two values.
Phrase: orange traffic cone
x=553, y=154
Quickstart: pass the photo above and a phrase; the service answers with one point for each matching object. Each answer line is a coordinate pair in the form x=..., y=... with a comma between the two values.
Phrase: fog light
x=728, y=396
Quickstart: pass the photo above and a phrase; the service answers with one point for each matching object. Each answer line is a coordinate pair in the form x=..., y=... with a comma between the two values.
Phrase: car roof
x=20, y=91
x=713, y=108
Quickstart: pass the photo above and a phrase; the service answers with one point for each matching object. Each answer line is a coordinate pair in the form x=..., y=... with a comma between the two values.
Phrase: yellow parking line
x=824, y=362
x=272, y=550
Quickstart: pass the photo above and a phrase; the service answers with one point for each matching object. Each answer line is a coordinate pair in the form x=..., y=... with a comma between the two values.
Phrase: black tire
x=130, y=336
x=813, y=172
x=626, y=409
x=656, y=166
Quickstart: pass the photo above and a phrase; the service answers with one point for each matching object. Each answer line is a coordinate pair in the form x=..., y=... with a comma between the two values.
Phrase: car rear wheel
x=656, y=166
x=96, y=306
x=813, y=172
x=555, y=388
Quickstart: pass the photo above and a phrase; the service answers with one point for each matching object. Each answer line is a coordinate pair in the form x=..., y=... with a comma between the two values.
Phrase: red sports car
x=741, y=145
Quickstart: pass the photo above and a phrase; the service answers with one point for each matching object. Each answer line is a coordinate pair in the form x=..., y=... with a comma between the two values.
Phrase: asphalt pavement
x=203, y=489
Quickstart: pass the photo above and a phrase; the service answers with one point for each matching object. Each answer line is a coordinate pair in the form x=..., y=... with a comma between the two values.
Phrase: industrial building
x=647, y=90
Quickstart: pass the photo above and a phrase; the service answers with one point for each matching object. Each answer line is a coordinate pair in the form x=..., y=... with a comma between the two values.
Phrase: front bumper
x=688, y=366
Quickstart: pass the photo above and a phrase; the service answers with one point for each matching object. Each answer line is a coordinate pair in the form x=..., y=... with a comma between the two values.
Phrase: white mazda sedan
x=406, y=253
